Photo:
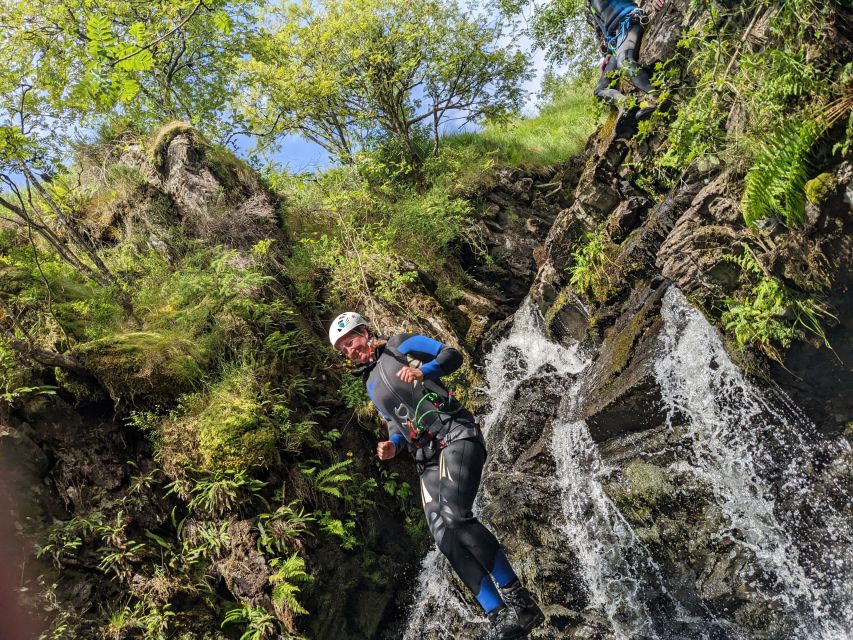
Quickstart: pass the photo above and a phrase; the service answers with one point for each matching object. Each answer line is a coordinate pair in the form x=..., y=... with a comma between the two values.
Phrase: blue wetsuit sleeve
x=398, y=439
x=438, y=359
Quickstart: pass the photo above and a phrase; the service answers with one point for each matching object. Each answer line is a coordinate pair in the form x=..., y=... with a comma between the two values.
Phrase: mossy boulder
x=144, y=367
x=218, y=198
x=234, y=433
x=223, y=429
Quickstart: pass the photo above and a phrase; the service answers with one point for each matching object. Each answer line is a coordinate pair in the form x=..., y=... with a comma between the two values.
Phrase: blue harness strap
x=637, y=16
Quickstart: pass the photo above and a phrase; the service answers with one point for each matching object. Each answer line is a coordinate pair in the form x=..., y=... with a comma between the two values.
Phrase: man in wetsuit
x=618, y=26
x=403, y=379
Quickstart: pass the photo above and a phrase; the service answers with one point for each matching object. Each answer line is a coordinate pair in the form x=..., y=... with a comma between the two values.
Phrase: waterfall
x=751, y=445
x=520, y=356
x=615, y=565
x=756, y=449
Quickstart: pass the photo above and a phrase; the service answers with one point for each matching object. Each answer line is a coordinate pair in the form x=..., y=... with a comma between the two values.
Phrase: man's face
x=354, y=346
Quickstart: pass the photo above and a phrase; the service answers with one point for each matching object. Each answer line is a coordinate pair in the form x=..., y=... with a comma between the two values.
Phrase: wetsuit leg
x=603, y=91
x=626, y=58
x=472, y=549
x=467, y=567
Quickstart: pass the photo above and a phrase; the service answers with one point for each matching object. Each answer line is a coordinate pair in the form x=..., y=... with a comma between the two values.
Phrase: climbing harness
x=417, y=431
x=637, y=16
x=419, y=434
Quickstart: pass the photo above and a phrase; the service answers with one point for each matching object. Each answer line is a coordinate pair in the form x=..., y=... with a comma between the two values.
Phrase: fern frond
x=289, y=572
x=775, y=185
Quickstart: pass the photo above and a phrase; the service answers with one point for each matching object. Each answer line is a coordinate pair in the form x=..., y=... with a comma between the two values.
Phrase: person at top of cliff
x=618, y=26
x=403, y=379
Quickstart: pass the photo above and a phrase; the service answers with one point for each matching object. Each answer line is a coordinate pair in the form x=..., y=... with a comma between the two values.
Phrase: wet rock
x=619, y=392
x=535, y=405
x=694, y=254
x=664, y=30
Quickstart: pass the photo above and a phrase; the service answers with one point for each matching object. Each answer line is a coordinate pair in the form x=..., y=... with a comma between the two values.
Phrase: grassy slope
x=557, y=133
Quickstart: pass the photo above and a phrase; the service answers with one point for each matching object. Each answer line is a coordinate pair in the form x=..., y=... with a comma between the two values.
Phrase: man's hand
x=386, y=450
x=410, y=374
x=658, y=4
x=602, y=64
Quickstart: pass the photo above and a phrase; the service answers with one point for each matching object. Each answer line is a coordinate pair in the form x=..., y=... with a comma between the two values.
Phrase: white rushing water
x=743, y=441
x=614, y=564
x=750, y=447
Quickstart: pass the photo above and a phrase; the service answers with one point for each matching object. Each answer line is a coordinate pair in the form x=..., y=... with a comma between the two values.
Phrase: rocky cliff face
x=651, y=489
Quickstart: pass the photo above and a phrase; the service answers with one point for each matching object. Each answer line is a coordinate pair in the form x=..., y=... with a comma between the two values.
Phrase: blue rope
x=616, y=41
x=637, y=15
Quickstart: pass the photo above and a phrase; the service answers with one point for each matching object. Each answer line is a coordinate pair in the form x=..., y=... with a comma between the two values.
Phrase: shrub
x=769, y=314
x=592, y=267
x=144, y=367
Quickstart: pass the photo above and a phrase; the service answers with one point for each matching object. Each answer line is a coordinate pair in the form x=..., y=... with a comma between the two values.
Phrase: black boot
x=528, y=612
x=504, y=625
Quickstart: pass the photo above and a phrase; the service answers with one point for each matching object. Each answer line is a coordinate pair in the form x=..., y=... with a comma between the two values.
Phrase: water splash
x=518, y=357
x=436, y=601
x=756, y=453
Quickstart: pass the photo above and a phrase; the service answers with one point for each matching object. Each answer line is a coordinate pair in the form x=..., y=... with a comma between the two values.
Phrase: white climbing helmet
x=345, y=323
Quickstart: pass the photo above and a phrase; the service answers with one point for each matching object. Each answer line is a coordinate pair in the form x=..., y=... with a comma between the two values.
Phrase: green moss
x=13, y=279
x=648, y=482
x=647, y=485
x=234, y=432
x=623, y=343
x=609, y=126
x=232, y=173
x=819, y=189
x=763, y=618
x=561, y=301
x=82, y=390
x=144, y=366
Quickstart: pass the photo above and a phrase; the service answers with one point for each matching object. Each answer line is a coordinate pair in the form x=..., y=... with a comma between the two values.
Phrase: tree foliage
x=559, y=28
x=70, y=66
x=347, y=74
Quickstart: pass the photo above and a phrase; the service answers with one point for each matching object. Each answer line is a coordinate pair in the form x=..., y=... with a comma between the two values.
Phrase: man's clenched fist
x=386, y=450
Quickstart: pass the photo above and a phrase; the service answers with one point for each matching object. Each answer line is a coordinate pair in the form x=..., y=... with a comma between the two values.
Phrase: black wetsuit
x=450, y=459
x=619, y=37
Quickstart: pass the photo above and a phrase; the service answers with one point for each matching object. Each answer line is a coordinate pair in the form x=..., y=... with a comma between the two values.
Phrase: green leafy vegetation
x=592, y=269
x=260, y=624
x=289, y=572
x=768, y=314
x=759, y=106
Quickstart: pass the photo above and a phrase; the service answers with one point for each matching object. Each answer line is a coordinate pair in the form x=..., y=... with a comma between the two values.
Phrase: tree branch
x=161, y=38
